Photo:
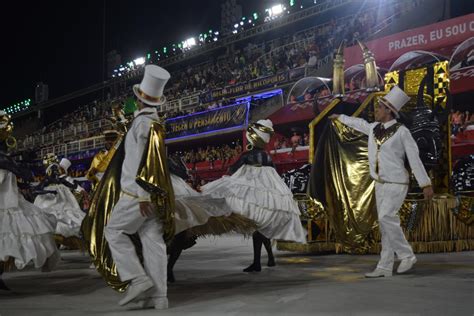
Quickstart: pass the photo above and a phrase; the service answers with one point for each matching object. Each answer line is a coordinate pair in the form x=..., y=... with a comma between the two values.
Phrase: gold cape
x=340, y=182
x=154, y=177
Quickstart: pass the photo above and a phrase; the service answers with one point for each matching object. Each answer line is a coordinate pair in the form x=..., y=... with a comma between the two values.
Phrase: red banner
x=462, y=80
x=428, y=38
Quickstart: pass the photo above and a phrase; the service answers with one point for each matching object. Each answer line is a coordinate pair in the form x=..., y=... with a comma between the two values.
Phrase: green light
x=180, y=45
x=255, y=15
x=210, y=31
x=148, y=56
x=165, y=50
x=292, y=3
x=243, y=18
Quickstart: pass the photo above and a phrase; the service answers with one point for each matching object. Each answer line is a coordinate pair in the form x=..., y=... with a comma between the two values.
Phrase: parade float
x=338, y=204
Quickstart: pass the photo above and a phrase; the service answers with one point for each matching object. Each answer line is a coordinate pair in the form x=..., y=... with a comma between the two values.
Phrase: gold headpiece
x=253, y=136
x=49, y=159
x=6, y=129
x=118, y=120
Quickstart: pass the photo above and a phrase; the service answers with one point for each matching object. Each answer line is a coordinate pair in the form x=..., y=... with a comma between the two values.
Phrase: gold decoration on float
x=371, y=75
x=412, y=80
x=338, y=87
x=391, y=79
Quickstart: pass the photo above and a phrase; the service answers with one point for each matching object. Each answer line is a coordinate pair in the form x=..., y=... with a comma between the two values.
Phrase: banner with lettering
x=462, y=80
x=226, y=117
x=252, y=85
x=428, y=38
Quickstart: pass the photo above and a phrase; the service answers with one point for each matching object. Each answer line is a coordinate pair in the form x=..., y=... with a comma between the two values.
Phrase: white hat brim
x=135, y=91
x=387, y=104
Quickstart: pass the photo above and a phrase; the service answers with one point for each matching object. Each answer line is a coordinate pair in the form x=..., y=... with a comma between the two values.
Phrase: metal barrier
x=75, y=146
x=64, y=135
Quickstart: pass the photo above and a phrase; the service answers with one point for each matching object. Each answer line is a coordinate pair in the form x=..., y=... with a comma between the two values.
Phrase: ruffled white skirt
x=26, y=234
x=259, y=193
x=64, y=207
x=194, y=209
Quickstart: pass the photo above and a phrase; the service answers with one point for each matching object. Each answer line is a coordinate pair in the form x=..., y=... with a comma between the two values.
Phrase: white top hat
x=150, y=90
x=65, y=164
x=260, y=131
x=395, y=100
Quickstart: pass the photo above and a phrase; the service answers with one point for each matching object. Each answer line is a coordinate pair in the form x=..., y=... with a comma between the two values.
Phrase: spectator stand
x=462, y=87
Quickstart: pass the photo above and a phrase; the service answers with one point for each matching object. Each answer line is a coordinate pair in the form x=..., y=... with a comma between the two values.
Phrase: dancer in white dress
x=26, y=233
x=63, y=204
x=256, y=191
x=198, y=215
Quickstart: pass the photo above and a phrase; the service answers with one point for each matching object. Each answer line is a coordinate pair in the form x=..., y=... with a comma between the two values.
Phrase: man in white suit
x=134, y=211
x=389, y=143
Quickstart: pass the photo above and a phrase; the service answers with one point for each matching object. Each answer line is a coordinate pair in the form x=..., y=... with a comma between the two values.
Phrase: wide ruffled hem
x=195, y=211
x=26, y=220
x=28, y=248
x=259, y=196
x=259, y=193
x=68, y=217
x=273, y=224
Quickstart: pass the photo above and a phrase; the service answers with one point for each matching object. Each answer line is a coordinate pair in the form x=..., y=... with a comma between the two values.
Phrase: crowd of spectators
x=224, y=153
x=301, y=49
x=461, y=122
x=297, y=139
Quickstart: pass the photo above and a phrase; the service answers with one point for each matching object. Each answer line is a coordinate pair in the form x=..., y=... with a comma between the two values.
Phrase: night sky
x=60, y=42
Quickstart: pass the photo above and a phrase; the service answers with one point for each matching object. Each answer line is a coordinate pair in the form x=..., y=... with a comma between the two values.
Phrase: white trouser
x=389, y=198
x=127, y=219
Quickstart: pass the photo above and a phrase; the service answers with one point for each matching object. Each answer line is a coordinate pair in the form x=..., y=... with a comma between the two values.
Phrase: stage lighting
x=277, y=9
x=190, y=42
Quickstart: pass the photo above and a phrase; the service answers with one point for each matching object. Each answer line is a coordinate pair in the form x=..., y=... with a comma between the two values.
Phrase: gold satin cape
x=154, y=177
x=340, y=182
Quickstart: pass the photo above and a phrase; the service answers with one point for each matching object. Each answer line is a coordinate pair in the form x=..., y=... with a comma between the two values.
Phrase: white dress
x=26, y=233
x=193, y=208
x=259, y=193
x=63, y=205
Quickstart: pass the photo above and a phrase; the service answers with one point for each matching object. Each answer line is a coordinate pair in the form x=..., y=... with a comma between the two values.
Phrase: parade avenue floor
x=210, y=281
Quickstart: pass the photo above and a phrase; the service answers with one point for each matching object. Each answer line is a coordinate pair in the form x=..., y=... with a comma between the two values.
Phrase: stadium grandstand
x=251, y=67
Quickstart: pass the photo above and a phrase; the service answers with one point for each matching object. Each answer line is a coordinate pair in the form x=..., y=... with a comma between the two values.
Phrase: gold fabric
x=341, y=183
x=94, y=168
x=153, y=176
x=464, y=209
x=103, y=201
x=7, y=129
x=101, y=161
x=107, y=194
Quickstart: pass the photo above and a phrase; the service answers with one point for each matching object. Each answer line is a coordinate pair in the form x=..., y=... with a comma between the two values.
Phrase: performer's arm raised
x=356, y=123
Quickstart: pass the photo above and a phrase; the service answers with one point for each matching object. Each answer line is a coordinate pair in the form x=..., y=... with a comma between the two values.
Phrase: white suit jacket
x=135, y=142
x=387, y=161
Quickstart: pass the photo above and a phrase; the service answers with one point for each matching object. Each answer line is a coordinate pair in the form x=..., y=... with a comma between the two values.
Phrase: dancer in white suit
x=389, y=143
x=134, y=211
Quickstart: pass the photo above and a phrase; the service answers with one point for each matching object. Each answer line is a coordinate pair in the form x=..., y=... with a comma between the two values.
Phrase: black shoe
x=271, y=262
x=253, y=268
